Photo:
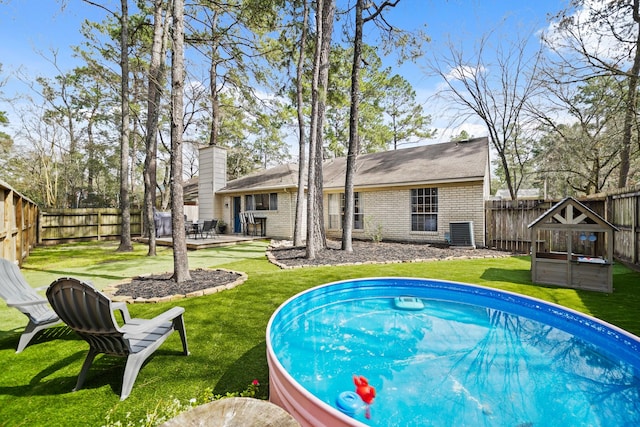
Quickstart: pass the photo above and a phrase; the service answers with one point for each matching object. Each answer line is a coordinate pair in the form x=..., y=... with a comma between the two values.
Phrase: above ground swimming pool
x=440, y=353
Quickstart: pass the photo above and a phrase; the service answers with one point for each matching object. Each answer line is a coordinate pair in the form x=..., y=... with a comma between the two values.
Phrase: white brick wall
x=280, y=222
x=391, y=208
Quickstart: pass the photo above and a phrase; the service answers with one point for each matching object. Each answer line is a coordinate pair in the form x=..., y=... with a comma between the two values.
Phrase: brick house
x=411, y=194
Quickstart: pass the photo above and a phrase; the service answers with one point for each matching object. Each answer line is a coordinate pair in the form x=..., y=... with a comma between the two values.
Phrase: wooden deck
x=200, y=243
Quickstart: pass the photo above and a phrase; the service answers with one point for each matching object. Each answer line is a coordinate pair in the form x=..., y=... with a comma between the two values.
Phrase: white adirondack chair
x=17, y=293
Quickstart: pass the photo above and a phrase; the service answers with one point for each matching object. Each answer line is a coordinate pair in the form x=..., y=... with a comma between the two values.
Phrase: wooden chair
x=90, y=314
x=15, y=290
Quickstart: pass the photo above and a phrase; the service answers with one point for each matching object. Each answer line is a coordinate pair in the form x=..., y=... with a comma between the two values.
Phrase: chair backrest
x=14, y=287
x=208, y=225
x=251, y=218
x=89, y=313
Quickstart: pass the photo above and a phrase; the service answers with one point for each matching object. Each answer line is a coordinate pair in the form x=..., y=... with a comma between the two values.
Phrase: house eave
x=434, y=182
x=264, y=189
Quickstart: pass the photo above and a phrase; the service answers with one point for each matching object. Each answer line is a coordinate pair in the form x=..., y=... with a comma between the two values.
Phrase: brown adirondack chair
x=17, y=293
x=90, y=313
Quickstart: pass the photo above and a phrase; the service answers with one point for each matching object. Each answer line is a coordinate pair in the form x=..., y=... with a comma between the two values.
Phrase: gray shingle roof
x=433, y=163
x=278, y=177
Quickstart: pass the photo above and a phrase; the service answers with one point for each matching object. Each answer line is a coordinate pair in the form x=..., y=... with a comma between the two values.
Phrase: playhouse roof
x=570, y=211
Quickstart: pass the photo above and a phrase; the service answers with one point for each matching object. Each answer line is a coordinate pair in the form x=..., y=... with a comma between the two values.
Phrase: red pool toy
x=365, y=391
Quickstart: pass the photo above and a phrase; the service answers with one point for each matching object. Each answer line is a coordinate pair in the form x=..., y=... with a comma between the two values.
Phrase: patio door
x=237, y=208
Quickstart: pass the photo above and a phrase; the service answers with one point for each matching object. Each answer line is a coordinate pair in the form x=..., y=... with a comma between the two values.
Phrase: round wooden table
x=234, y=412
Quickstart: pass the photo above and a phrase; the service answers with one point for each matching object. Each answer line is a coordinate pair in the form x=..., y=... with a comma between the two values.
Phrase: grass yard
x=226, y=331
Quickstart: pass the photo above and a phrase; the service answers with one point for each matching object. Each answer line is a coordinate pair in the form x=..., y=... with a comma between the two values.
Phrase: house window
x=261, y=202
x=336, y=211
x=424, y=209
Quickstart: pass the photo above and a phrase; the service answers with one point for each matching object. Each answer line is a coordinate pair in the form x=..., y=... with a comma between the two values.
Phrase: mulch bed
x=161, y=285
x=287, y=256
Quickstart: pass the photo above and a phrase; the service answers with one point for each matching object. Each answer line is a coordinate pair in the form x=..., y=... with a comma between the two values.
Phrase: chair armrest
x=167, y=316
x=12, y=303
x=121, y=306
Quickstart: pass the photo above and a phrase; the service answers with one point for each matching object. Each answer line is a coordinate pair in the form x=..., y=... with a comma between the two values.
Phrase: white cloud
x=596, y=38
x=464, y=72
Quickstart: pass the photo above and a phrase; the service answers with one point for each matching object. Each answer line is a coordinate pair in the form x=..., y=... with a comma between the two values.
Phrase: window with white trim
x=336, y=211
x=424, y=209
x=261, y=202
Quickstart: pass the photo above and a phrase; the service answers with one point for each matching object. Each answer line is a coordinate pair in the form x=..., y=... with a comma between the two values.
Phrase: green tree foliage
x=70, y=135
x=407, y=118
x=389, y=114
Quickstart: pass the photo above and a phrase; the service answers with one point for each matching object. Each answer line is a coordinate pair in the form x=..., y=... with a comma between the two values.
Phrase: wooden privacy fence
x=19, y=226
x=73, y=225
x=622, y=210
x=507, y=222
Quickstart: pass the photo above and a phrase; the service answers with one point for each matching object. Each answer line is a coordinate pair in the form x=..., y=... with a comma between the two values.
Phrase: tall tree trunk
x=354, y=145
x=302, y=164
x=631, y=107
x=125, y=233
x=180, y=259
x=90, y=152
x=154, y=95
x=316, y=239
x=213, y=83
x=354, y=139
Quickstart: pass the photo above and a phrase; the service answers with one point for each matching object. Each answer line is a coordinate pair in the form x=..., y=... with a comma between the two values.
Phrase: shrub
x=373, y=229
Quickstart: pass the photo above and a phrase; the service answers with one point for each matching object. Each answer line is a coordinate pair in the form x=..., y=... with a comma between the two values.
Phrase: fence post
x=99, y=220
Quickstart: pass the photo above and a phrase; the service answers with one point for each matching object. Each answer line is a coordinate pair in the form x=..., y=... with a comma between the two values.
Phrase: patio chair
x=15, y=290
x=253, y=225
x=243, y=223
x=188, y=228
x=209, y=228
x=90, y=314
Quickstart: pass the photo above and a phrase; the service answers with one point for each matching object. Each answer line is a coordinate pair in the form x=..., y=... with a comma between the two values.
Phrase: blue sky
x=32, y=28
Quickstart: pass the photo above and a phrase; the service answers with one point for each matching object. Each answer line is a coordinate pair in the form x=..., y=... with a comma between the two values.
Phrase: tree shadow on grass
x=517, y=276
x=9, y=339
x=252, y=365
x=41, y=384
x=84, y=274
x=105, y=370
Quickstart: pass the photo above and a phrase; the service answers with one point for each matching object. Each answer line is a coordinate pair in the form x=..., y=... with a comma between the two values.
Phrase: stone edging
x=272, y=259
x=112, y=289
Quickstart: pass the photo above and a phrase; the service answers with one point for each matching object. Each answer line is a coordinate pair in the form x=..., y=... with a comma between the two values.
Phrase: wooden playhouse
x=577, y=250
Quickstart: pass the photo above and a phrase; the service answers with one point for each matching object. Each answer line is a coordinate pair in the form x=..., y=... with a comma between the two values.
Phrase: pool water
x=459, y=356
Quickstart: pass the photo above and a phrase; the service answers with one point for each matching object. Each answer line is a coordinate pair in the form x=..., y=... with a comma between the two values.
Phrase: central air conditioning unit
x=461, y=234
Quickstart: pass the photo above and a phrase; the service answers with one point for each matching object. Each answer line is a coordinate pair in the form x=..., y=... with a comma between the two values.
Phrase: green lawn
x=226, y=331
